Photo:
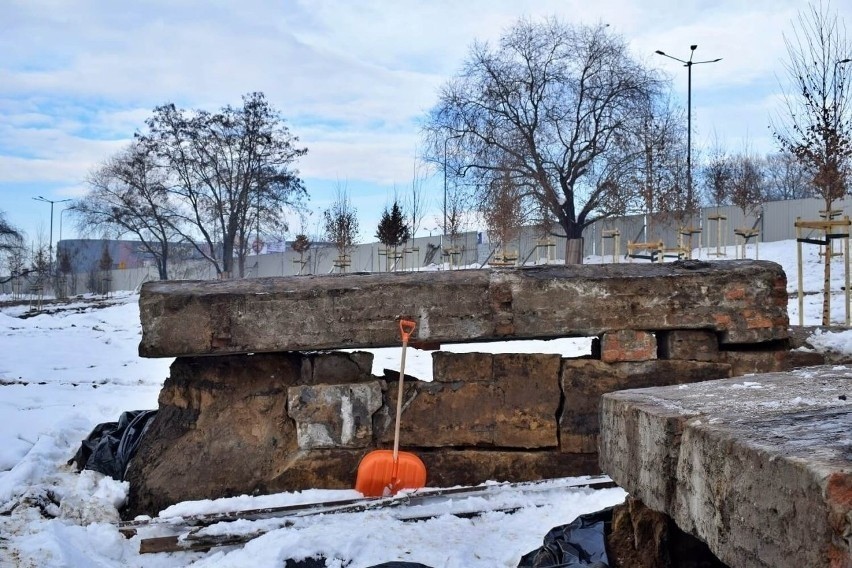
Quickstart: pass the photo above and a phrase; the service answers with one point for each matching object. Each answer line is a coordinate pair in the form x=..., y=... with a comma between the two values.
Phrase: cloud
x=352, y=78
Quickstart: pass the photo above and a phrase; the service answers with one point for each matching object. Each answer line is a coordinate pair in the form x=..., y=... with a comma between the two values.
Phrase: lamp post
x=688, y=64
x=50, y=245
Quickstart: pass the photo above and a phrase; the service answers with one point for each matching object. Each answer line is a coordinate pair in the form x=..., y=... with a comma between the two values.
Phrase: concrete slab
x=743, y=302
x=758, y=467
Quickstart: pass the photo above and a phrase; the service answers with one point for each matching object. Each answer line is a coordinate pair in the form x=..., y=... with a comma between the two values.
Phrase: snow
x=64, y=371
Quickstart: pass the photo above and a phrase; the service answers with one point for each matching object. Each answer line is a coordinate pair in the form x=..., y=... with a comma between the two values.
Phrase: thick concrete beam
x=759, y=467
x=741, y=301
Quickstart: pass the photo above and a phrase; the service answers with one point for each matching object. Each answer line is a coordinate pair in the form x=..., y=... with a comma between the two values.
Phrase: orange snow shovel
x=385, y=472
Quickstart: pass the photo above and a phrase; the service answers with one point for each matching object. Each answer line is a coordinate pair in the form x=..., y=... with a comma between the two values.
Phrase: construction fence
x=614, y=239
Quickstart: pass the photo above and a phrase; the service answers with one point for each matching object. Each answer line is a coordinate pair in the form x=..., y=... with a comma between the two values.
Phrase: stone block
x=450, y=367
x=471, y=466
x=743, y=301
x=756, y=362
x=334, y=416
x=517, y=409
x=757, y=467
x=689, y=345
x=798, y=359
x=336, y=367
x=584, y=381
x=222, y=430
x=628, y=345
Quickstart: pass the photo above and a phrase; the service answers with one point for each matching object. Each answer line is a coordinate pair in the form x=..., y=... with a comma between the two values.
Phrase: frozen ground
x=62, y=373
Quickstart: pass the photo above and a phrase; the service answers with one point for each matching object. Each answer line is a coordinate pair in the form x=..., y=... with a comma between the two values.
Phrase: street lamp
x=52, y=202
x=688, y=64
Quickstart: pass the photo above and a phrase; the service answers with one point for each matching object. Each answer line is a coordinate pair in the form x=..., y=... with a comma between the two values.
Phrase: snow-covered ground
x=62, y=373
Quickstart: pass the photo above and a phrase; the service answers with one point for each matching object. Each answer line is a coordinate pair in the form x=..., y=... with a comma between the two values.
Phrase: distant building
x=85, y=254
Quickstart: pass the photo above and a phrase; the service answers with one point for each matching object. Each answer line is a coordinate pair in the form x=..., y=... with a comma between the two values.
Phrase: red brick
x=628, y=345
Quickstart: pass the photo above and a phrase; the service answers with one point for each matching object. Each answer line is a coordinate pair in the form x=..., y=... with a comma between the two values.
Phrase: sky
x=354, y=80
x=88, y=371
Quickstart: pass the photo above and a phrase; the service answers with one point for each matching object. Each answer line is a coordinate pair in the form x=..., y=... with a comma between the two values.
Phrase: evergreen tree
x=393, y=229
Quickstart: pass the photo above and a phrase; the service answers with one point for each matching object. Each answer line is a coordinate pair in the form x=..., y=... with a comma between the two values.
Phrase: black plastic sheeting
x=111, y=445
x=579, y=544
x=321, y=563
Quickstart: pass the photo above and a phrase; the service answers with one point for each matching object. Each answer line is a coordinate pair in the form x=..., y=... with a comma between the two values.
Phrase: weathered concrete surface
x=743, y=301
x=759, y=467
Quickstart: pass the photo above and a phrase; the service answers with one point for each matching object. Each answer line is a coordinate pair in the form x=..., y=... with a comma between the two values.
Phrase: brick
x=628, y=345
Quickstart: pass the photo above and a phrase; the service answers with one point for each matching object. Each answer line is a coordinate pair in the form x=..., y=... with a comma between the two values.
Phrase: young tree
x=656, y=173
x=718, y=177
x=341, y=223
x=747, y=185
x=301, y=245
x=393, y=230
x=230, y=171
x=415, y=204
x=549, y=102
x=503, y=209
x=128, y=193
x=816, y=125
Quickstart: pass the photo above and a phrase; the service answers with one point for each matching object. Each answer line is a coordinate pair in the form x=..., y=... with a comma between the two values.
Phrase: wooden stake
x=799, y=265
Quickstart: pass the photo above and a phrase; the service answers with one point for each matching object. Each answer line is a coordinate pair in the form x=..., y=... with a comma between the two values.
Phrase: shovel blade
x=379, y=476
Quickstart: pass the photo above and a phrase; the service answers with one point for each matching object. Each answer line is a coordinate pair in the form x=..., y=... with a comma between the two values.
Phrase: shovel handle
x=406, y=328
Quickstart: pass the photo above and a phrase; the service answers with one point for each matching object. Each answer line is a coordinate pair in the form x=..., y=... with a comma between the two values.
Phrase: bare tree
x=415, y=203
x=503, y=210
x=10, y=237
x=656, y=171
x=341, y=223
x=816, y=125
x=718, y=176
x=458, y=212
x=785, y=177
x=549, y=103
x=230, y=171
x=747, y=185
x=128, y=192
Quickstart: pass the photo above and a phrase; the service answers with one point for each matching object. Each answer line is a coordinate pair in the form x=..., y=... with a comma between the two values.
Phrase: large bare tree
x=230, y=170
x=815, y=124
x=547, y=104
x=128, y=193
x=785, y=177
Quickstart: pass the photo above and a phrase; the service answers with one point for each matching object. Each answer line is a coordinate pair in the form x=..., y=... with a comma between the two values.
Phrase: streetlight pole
x=50, y=245
x=688, y=64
